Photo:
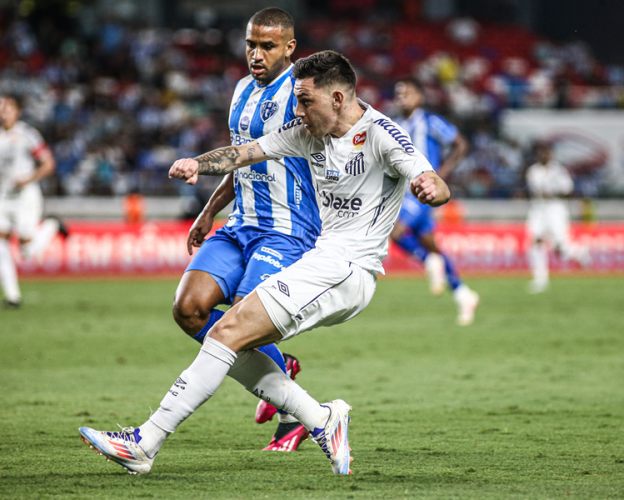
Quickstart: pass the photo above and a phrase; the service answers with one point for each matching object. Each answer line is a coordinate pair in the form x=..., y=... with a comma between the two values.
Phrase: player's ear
x=290, y=47
x=338, y=98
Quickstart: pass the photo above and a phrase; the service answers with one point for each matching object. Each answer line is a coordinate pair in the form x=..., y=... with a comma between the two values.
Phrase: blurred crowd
x=118, y=104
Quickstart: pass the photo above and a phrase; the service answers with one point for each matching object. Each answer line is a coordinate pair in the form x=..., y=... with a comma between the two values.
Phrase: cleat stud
x=350, y=471
x=351, y=459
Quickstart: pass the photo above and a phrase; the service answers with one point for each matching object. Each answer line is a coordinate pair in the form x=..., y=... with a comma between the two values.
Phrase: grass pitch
x=526, y=403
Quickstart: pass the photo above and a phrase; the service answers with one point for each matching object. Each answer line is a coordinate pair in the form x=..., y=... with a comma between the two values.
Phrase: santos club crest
x=355, y=165
x=268, y=110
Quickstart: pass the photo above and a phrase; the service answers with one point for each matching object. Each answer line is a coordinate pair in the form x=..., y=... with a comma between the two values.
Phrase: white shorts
x=22, y=213
x=321, y=289
x=550, y=220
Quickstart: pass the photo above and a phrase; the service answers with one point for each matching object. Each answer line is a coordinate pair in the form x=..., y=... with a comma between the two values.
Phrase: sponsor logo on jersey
x=298, y=195
x=244, y=123
x=396, y=134
x=257, y=176
x=359, y=139
x=332, y=175
x=272, y=252
x=238, y=140
x=355, y=165
x=346, y=207
x=268, y=110
x=289, y=125
x=268, y=259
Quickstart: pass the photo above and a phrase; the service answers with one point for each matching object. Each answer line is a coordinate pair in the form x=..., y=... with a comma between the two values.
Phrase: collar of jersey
x=278, y=79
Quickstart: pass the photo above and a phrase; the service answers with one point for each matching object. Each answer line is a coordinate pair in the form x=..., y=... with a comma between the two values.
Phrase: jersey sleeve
x=441, y=130
x=35, y=142
x=292, y=139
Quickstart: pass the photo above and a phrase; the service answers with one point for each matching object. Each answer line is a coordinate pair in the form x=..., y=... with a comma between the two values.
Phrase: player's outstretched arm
x=430, y=189
x=218, y=162
x=223, y=195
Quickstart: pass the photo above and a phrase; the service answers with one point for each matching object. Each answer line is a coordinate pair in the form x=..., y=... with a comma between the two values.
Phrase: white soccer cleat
x=434, y=267
x=467, y=303
x=334, y=437
x=121, y=447
x=537, y=286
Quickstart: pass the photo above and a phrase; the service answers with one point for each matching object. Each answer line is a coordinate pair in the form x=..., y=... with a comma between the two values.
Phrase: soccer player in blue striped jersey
x=433, y=136
x=275, y=218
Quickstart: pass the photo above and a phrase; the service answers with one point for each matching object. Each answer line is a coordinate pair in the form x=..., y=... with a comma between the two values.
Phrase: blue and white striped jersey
x=276, y=195
x=430, y=134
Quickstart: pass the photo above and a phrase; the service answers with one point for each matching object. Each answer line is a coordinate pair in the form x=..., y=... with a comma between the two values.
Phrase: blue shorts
x=417, y=216
x=239, y=259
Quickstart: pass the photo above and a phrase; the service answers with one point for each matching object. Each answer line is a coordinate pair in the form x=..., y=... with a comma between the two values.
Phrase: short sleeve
x=35, y=143
x=292, y=140
x=441, y=130
x=408, y=164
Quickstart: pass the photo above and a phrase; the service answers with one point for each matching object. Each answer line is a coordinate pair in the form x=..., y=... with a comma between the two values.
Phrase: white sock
x=8, y=273
x=434, y=267
x=261, y=376
x=538, y=259
x=460, y=293
x=311, y=414
x=152, y=438
x=45, y=234
x=286, y=418
x=193, y=387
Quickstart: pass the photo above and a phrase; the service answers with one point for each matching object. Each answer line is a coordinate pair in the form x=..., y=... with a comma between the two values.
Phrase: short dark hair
x=16, y=98
x=327, y=68
x=413, y=82
x=273, y=18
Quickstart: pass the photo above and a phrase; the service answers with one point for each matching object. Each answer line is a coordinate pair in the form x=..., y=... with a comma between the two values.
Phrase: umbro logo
x=318, y=156
x=283, y=287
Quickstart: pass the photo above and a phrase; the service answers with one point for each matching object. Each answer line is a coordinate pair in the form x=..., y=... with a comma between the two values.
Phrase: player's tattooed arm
x=218, y=162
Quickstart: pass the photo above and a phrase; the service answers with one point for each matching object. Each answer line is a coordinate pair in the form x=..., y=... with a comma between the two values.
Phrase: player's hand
x=197, y=234
x=20, y=184
x=185, y=169
x=430, y=189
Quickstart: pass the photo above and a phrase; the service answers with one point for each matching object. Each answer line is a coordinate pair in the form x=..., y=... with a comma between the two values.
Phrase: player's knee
x=190, y=312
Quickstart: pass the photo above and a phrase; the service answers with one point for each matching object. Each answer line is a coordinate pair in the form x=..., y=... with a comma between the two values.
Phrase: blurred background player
x=548, y=218
x=25, y=159
x=414, y=229
x=275, y=218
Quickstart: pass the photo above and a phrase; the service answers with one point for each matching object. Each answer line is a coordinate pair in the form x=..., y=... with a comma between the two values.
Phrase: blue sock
x=452, y=276
x=274, y=353
x=215, y=315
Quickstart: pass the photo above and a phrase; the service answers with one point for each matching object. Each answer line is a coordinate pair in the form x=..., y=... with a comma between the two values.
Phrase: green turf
x=526, y=403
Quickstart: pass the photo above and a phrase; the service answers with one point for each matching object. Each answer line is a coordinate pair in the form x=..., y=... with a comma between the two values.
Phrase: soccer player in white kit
x=548, y=221
x=25, y=159
x=361, y=164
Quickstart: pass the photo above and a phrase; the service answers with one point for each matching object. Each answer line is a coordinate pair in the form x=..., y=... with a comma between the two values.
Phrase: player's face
x=544, y=155
x=407, y=98
x=9, y=112
x=268, y=51
x=315, y=106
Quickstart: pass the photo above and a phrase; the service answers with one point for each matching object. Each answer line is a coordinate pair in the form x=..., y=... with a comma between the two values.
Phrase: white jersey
x=549, y=181
x=359, y=178
x=19, y=148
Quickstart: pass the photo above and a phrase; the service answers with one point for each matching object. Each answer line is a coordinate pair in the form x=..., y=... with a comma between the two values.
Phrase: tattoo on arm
x=251, y=152
x=217, y=162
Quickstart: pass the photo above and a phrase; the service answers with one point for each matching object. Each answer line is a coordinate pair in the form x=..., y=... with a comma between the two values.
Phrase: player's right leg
x=537, y=224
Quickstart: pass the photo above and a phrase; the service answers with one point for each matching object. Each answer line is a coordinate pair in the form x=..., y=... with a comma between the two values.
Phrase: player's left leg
x=43, y=236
